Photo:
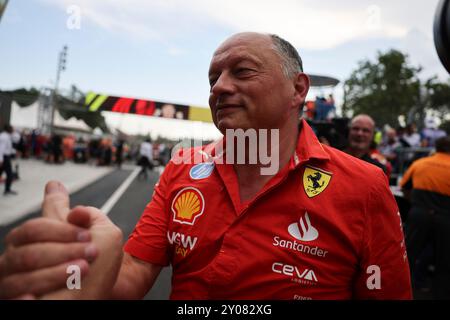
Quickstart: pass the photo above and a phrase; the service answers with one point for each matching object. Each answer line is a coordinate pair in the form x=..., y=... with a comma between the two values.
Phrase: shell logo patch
x=188, y=205
x=315, y=181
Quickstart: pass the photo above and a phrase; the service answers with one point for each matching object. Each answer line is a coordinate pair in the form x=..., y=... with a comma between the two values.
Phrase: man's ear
x=301, y=86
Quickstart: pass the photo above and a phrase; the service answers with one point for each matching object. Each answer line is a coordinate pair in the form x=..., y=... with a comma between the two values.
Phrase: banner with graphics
x=98, y=102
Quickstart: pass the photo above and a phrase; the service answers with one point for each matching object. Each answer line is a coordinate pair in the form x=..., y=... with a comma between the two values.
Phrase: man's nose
x=223, y=85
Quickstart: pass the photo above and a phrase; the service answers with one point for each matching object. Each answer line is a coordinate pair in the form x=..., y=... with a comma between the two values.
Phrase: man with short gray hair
x=324, y=225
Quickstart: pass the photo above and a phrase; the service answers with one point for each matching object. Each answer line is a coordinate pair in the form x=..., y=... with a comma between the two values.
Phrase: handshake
x=41, y=252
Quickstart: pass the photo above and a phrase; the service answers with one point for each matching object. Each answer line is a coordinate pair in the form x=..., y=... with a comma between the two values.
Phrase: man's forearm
x=135, y=278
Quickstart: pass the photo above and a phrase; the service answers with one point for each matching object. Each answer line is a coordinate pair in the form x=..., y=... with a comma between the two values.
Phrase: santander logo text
x=303, y=230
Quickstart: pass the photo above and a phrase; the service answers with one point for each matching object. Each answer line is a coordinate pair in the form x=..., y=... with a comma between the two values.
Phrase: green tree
x=438, y=96
x=385, y=89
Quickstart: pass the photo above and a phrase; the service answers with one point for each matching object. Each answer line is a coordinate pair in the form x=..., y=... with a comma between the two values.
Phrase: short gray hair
x=291, y=61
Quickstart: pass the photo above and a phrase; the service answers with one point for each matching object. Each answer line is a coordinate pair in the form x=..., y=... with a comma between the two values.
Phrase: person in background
x=410, y=138
x=427, y=184
x=68, y=143
x=309, y=110
x=15, y=138
x=80, y=152
x=6, y=153
x=56, y=149
x=119, y=152
x=389, y=148
x=360, y=138
x=431, y=133
x=145, y=158
x=164, y=154
x=324, y=109
x=331, y=113
x=330, y=100
x=106, y=152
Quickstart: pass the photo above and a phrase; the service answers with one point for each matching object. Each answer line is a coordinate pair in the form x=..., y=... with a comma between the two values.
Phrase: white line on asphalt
x=109, y=204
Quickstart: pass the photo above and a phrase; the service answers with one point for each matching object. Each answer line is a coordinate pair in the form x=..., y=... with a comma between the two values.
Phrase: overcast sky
x=160, y=49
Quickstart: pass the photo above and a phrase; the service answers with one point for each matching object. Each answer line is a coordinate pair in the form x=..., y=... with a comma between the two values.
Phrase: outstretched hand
x=39, y=252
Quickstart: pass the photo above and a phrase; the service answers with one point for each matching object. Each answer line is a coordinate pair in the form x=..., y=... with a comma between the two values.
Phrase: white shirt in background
x=6, y=148
x=146, y=150
x=413, y=139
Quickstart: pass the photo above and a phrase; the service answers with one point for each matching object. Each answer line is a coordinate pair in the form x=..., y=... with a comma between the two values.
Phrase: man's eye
x=244, y=71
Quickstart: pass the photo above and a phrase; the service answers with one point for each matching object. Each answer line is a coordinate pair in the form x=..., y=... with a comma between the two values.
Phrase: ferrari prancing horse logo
x=315, y=181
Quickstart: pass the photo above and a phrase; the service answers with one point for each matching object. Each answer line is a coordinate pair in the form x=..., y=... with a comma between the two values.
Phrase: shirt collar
x=442, y=155
x=308, y=146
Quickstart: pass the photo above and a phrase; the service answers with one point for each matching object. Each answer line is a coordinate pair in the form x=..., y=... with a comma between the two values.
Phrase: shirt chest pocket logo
x=183, y=244
x=303, y=230
x=201, y=170
x=188, y=205
x=315, y=181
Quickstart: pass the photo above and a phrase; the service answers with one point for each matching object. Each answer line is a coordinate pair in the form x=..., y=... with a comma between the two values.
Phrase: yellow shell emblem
x=188, y=205
x=315, y=181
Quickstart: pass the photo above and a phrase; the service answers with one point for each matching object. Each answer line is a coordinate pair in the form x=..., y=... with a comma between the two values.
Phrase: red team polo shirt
x=325, y=227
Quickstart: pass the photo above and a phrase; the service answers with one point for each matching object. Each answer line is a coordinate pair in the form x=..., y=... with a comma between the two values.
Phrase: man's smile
x=225, y=109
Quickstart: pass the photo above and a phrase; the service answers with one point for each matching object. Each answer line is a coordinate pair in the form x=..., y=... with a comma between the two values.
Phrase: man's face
x=361, y=134
x=391, y=135
x=248, y=87
x=168, y=111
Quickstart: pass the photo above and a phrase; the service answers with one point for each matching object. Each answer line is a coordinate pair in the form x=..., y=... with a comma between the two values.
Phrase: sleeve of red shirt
x=148, y=241
x=384, y=270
